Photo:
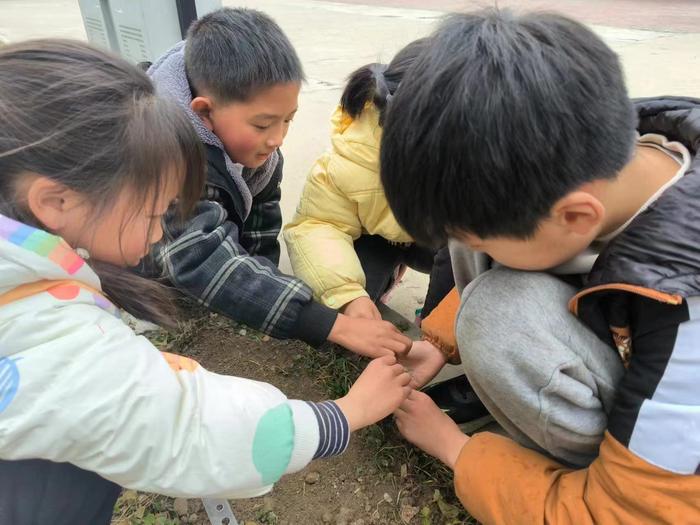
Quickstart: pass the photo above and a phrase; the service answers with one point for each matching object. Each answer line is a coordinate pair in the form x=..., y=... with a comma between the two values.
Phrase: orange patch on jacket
x=180, y=362
x=64, y=292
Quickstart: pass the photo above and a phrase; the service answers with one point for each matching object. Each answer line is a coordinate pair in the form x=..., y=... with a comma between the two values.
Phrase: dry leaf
x=407, y=513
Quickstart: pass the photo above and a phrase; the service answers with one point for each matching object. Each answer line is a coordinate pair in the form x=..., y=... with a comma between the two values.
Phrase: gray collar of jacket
x=169, y=76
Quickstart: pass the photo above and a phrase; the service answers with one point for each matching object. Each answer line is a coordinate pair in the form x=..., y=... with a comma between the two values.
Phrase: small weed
x=183, y=338
x=267, y=517
x=133, y=508
x=333, y=368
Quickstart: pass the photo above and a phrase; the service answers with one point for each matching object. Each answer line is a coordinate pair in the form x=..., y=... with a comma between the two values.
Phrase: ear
x=579, y=212
x=203, y=107
x=51, y=202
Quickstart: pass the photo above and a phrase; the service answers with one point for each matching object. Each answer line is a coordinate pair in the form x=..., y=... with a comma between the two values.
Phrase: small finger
x=390, y=327
x=401, y=350
x=405, y=342
x=405, y=405
x=397, y=369
x=403, y=339
x=395, y=346
x=417, y=395
x=389, y=359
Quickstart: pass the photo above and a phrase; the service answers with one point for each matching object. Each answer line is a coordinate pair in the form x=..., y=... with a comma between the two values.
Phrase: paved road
x=657, y=15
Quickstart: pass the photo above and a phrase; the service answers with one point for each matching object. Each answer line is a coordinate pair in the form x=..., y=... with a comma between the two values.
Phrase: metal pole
x=186, y=14
x=219, y=511
x=112, y=38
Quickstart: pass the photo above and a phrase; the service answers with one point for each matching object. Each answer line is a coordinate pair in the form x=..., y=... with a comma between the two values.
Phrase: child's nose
x=276, y=139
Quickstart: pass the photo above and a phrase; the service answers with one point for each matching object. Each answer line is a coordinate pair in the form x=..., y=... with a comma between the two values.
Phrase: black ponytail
x=365, y=84
x=377, y=83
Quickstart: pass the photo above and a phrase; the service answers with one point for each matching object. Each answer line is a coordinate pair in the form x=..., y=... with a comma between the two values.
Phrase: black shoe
x=457, y=399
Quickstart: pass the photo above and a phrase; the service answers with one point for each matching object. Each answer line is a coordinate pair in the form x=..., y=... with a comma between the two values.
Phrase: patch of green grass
x=134, y=508
x=394, y=455
x=186, y=333
x=336, y=370
x=333, y=368
x=267, y=517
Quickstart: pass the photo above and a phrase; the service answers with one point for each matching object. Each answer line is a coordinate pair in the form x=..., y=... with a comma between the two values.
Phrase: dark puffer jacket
x=643, y=298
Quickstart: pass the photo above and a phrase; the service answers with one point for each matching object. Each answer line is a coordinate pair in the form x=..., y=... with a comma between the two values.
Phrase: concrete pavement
x=659, y=43
x=676, y=16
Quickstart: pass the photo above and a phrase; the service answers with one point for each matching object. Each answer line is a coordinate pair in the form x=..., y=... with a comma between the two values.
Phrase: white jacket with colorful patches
x=77, y=385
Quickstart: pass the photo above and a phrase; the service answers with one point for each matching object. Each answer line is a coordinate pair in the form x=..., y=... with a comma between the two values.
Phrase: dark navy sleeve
x=333, y=429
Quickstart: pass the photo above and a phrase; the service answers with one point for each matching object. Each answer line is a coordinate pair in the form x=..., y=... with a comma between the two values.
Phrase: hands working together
x=386, y=387
x=360, y=328
x=389, y=383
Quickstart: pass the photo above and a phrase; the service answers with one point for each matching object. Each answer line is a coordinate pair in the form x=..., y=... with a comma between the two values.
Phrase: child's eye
x=261, y=128
x=288, y=121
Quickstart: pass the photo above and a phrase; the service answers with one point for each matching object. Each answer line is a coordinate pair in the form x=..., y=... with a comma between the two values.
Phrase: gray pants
x=545, y=377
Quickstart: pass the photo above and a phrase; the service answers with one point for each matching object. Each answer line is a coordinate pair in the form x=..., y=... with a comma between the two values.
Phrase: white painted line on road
x=622, y=35
x=608, y=33
x=370, y=10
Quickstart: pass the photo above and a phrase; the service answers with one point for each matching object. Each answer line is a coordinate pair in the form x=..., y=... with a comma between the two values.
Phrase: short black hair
x=234, y=53
x=502, y=116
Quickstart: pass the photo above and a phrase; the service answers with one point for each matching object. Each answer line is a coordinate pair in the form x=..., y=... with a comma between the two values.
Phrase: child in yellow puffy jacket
x=344, y=241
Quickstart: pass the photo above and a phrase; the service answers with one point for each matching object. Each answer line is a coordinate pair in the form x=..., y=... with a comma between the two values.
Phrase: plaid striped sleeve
x=333, y=429
x=203, y=259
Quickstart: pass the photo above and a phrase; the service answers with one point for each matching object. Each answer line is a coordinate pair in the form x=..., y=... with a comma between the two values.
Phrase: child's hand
x=362, y=307
x=369, y=337
x=423, y=362
x=422, y=423
x=378, y=391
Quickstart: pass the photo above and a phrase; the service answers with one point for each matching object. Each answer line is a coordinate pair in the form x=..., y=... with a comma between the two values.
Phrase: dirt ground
x=380, y=479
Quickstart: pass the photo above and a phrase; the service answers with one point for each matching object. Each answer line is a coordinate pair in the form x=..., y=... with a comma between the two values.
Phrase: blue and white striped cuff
x=333, y=429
